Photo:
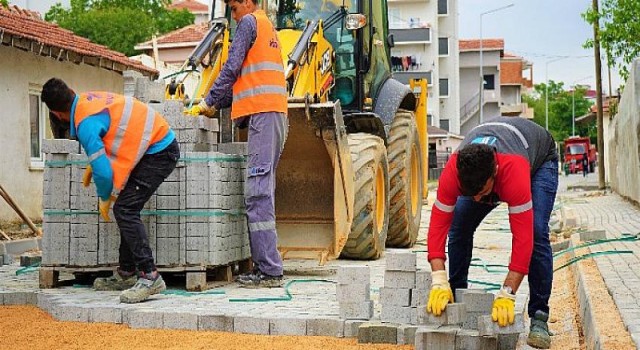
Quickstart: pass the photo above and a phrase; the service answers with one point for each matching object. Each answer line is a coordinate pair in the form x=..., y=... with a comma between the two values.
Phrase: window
x=443, y=8
x=429, y=119
x=444, y=124
x=38, y=127
x=444, y=87
x=489, y=82
x=395, y=19
x=443, y=46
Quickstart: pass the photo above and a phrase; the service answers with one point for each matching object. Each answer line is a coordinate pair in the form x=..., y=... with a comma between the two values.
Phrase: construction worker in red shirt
x=509, y=160
x=255, y=73
x=131, y=150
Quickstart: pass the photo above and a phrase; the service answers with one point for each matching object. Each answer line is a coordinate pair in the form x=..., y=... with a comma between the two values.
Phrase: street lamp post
x=546, y=90
x=481, y=62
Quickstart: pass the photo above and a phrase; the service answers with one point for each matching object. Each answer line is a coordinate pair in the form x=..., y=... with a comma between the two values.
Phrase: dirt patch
x=17, y=229
x=27, y=327
x=613, y=333
x=565, y=320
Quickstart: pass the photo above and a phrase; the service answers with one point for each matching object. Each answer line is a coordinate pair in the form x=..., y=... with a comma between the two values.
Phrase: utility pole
x=596, y=47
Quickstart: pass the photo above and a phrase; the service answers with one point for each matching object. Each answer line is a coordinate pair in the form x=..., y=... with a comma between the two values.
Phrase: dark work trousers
x=467, y=216
x=266, y=137
x=145, y=178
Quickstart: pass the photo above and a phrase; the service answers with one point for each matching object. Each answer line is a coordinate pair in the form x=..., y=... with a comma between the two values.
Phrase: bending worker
x=132, y=150
x=510, y=160
x=255, y=74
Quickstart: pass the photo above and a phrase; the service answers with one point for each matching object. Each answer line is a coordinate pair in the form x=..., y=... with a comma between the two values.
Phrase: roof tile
x=190, y=5
x=189, y=34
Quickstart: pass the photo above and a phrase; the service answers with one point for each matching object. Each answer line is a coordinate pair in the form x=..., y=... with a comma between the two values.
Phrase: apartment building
x=426, y=46
x=513, y=85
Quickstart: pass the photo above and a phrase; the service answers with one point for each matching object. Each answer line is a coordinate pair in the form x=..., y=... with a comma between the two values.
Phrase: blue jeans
x=467, y=217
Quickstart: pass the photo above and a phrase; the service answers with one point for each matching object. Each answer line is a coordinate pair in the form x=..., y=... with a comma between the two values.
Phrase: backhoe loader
x=352, y=177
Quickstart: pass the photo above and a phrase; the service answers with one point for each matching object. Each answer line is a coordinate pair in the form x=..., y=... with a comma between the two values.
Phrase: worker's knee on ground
x=259, y=181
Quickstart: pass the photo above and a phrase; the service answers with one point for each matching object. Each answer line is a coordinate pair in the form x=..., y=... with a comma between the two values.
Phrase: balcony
x=404, y=77
x=411, y=36
x=491, y=96
x=517, y=110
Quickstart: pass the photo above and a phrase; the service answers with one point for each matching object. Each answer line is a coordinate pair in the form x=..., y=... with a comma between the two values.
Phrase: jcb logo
x=325, y=63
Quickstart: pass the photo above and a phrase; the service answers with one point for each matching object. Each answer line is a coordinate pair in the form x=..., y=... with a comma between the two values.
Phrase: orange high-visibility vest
x=133, y=128
x=261, y=85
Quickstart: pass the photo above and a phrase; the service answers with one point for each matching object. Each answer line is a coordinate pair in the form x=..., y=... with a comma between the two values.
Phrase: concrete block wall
x=196, y=217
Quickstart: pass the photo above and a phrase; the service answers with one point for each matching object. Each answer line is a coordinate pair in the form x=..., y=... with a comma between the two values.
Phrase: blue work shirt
x=90, y=133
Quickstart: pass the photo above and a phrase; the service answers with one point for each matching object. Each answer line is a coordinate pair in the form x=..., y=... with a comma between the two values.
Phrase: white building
x=426, y=45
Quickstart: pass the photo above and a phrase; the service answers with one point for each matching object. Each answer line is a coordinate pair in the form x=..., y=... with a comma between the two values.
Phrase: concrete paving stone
x=180, y=320
x=221, y=323
x=486, y=326
x=354, y=275
x=406, y=334
x=471, y=340
x=353, y=292
x=471, y=321
x=378, y=333
x=400, y=279
x=144, y=318
x=71, y=312
x=454, y=314
x=351, y=328
x=356, y=310
x=331, y=327
x=105, y=314
x=419, y=297
x=17, y=298
x=436, y=338
x=400, y=260
x=423, y=279
x=476, y=300
x=251, y=325
x=398, y=314
x=592, y=235
x=288, y=326
x=507, y=341
x=395, y=296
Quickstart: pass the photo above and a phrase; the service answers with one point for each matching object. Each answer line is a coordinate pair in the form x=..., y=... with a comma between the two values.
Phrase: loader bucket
x=314, y=184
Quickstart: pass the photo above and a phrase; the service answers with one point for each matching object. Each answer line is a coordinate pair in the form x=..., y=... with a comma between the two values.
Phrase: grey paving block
x=251, y=325
x=19, y=246
x=71, y=312
x=378, y=333
x=215, y=323
x=593, y=235
x=17, y=298
x=423, y=279
x=407, y=334
x=486, y=326
x=454, y=314
x=351, y=327
x=395, y=296
x=436, y=338
x=400, y=260
x=398, y=314
x=507, y=341
x=233, y=148
x=356, y=310
x=400, y=279
x=144, y=319
x=471, y=340
x=329, y=327
x=105, y=314
x=354, y=275
x=60, y=146
x=353, y=292
x=288, y=326
x=419, y=297
x=476, y=300
x=180, y=320
x=472, y=320
x=558, y=246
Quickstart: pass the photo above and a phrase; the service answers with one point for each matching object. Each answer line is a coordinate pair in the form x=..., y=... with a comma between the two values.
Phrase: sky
x=540, y=31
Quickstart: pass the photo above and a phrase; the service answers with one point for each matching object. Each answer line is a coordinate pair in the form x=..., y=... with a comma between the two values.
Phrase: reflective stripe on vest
x=133, y=127
x=261, y=86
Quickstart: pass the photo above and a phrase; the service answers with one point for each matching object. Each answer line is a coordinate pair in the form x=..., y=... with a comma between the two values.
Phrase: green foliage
x=119, y=24
x=619, y=31
x=560, y=110
x=4, y=3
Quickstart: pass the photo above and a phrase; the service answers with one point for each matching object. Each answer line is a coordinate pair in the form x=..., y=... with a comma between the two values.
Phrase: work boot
x=120, y=280
x=145, y=287
x=247, y=276
x=539, y=336
x=258, y=279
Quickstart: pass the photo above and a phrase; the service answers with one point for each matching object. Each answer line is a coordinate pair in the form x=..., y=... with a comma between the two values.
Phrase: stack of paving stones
x=354, y=293
x=195, y=218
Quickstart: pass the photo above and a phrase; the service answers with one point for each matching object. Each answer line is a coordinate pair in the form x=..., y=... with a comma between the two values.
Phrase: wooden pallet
x=197, y=277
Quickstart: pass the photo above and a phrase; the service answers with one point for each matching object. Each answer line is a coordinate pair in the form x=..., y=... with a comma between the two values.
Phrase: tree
x=4, y=3
x=560, y=110
x=619, y=32
x=119, y=24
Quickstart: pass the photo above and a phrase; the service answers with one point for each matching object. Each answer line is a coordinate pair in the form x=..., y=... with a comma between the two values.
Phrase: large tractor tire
x=371, y=205
x=405, y=179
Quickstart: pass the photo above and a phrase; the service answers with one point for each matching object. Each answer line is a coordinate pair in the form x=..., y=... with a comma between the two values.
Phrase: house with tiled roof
x=513, y=85
x=32, y=51
x=174, y=47
x=199, y=9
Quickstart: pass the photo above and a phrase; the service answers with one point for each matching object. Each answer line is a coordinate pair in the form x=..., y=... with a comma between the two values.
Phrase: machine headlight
x=355, y=21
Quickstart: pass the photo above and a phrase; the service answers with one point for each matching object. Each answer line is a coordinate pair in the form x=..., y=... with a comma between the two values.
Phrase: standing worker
x=131, y=150
x=511, y=160
x=585, y=165
x=254, y=69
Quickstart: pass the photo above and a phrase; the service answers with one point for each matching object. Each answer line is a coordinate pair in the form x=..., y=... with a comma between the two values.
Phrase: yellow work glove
x=440, y=294
x=202, y=109
x=503, y=308
x=104, y=207
x=86, y=178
